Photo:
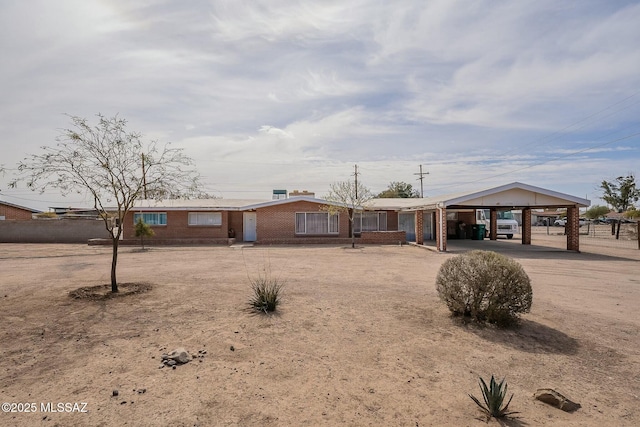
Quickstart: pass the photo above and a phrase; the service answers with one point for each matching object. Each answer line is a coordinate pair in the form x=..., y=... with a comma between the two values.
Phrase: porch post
x=526, y=226
x=493, y=224
x=419, y=227
x=573, y=229
x=441, y=229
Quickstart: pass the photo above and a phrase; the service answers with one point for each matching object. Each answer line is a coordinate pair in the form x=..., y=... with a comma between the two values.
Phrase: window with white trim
x=370, y=221
x=205, y=218
x=151, y=218
x=316, y=223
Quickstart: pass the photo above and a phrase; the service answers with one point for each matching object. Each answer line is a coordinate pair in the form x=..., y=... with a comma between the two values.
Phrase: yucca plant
x=266, y=294
x=494, y=396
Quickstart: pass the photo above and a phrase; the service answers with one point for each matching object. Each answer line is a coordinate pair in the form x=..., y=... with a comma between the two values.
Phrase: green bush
x=485, y=286
x=266, y=294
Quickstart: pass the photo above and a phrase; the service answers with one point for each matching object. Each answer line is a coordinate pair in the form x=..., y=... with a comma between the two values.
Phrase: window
x=205, y=218
x=316, y=223
x=370, y=221
x=151, y=218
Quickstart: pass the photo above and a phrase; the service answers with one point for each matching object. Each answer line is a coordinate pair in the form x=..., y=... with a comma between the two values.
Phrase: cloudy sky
x=292, y=94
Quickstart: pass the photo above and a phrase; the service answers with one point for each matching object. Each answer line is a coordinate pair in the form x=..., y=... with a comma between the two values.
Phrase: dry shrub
x=485, y=286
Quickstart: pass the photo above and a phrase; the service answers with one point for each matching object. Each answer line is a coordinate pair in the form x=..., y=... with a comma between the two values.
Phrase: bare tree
x=621, y=195
x=114, y=166
x=349, y=198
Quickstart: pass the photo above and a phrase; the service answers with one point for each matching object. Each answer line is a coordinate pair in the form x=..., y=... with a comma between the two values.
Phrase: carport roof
x=510, y=196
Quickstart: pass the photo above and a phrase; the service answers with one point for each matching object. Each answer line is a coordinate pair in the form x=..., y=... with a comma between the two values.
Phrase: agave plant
x=494, y=398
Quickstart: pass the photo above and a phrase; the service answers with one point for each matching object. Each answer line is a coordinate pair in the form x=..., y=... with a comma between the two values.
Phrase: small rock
x=173, y=367
x=553, y=398
x=180, y=355
x=142, y=390
x=232, y=348
x=114, y=393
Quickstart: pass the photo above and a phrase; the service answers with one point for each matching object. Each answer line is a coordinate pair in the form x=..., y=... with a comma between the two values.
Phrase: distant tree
x=143, y=230
x=632, y=213
x=349, y=198
x=620, y=194
x=596, y=212
x=114, y=166
x=399, y=190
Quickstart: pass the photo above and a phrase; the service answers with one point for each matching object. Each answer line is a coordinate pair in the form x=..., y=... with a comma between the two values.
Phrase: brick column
x=419, y=228
x=526, y=226
x=493, y=225
x=573, y=229
x=441, y=230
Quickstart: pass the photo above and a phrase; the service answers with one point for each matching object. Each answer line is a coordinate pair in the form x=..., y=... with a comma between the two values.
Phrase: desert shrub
x=485, y=286
x=143, y=230
x=493, y=397
x=266, y=294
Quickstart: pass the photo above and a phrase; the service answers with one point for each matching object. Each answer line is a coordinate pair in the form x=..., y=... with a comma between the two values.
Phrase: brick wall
x=11, y=212
x=392, y=220
x=235, y=222
x=178, y=227
x=420, y=227
x=278, y=223
x=526, y=226
x=573, y=229
x=383, y=237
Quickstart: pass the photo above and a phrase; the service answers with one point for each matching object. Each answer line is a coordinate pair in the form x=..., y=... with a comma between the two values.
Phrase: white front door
x=249, y=226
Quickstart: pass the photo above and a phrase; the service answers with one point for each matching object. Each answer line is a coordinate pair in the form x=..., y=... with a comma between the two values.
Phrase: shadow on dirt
x=529, y=336
x=103, y=292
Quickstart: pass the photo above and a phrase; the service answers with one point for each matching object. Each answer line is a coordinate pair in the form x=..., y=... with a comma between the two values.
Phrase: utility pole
x=356, y=184
x=421, y=174
x=144, y=178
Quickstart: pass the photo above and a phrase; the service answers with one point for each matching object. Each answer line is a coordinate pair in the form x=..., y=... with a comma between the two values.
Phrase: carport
x=514, y=196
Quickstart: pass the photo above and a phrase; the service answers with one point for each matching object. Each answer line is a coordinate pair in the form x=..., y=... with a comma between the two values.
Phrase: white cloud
x=281, y=93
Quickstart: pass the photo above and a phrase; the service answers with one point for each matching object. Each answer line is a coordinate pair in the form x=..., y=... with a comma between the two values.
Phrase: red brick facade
x=526, y=226
x=178, y=227
x=573, y=229
x=275, y=224
x=14, y=212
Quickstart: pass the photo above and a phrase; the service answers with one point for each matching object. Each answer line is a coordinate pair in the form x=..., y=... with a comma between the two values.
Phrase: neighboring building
x=10, y=211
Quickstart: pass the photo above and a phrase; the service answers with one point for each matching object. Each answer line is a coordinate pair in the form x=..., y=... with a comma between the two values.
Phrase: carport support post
x=493, y=224
x=526, y=226
x=573, y=229
x=419, y=227
x=441, y=229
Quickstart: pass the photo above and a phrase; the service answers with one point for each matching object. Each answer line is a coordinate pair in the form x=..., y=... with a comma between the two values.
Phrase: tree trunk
x=114, y=262
x=353, y=235
x=618, y=230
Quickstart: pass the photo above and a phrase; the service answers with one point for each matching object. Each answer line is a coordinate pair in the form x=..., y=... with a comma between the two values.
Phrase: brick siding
x=12, y=212
x=178, y=227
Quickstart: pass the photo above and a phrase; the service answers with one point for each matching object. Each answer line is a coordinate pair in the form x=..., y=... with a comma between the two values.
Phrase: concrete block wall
x=52, y=231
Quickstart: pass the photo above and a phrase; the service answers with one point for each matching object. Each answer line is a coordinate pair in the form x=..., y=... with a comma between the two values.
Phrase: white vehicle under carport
x=507, y=225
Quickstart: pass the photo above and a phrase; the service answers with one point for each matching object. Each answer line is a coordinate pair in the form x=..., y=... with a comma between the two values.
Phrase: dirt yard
x=361, y=338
